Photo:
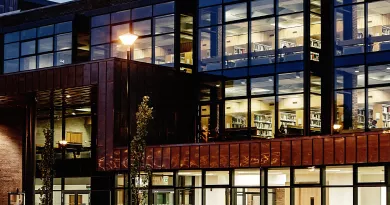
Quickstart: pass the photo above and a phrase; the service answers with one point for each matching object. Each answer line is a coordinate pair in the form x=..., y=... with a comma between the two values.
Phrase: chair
x=384, y=46
x=261, y=61
x=293, y=57
x=353, y=50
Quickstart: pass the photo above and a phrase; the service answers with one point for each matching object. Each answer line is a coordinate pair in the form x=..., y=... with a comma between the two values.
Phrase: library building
x=255, y=102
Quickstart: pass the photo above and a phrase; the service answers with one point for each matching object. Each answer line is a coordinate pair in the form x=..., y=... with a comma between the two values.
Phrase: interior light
x=67, y=96
x=270, y=79
x=84, y=109
x=243, y=82
x=217, y=85
x=128, y=39
x=63, y=142
x=73, y=113
x=388, y=68
x=312, y=169
x=336, y=126
x=356, y=71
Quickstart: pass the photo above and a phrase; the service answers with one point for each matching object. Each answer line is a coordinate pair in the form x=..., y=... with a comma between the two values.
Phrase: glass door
x=76, y=198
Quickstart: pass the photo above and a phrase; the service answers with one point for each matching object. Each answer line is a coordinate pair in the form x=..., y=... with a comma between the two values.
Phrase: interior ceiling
x=72, y=97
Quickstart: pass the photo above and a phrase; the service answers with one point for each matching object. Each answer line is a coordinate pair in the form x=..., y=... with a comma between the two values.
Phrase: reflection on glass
x=28, y=48
x=378, y=26
x=291, y=37
x=164, y=8
x=350, y=77
x=291, y=115
x=120, y=16
x=45, y=30
x=45, y=45
x=11, y=37
x=164, y=24
x=11, y=50
x=100, y=35
x=236, y=45
x=11, y=66
x=379, y=74
x=210, y=16
x=203, y=3
x=210, y=48
x=142, y=28
x=290, y=83
x=63, y=58
x=379, y=108
x=119, y=30
x=142, y=12
x=164, y=50
x=119, y=50
x=28, y=63
x=339, y=175
x=279, y=177
x=235, y=88
x=235, y=12
x=186, y=24
x=45, y=60
x=63, y=27
x=100, y=52
x=262, y=8
x=262, y=85
x=100, y=20
x=263, y=41
x=142, y=49
x=64, y=42
x=350, y=109
x=263, y=117
x=28, y=34
x=349, y=36
x=236, y=113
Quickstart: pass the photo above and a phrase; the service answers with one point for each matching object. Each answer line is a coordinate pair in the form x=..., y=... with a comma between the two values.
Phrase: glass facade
x=40, y=47
x=334, y=185
x=153, y=24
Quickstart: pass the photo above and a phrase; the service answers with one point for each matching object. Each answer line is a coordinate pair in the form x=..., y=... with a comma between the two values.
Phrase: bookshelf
x=315, y=119
x=238, y=122
x=263, y=124
x=288, y=118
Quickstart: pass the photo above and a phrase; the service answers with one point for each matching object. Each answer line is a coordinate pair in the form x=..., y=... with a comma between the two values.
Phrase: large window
x=362, y=100
x=259, y=47
x=159, y=18
x=40, y=47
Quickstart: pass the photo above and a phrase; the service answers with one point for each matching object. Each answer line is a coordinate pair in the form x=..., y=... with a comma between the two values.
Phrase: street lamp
x=128, y=39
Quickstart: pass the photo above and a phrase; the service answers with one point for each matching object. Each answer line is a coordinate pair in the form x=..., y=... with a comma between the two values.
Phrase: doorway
x=75, y=198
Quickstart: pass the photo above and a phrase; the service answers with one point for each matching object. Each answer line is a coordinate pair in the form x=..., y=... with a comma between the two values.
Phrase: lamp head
x=63, y=143
x=128, y=39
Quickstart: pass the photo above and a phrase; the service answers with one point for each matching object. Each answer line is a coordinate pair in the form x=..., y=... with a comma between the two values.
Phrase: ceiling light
x=270, y=79
x=87, y=109
x=217, y=85
x=388, y=68
x=67, y=96
x=312, y=169
x=73, y=113
x=356, y=71
x=243, y=82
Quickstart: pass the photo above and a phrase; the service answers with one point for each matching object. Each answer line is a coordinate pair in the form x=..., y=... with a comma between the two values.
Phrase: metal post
x=129, y=129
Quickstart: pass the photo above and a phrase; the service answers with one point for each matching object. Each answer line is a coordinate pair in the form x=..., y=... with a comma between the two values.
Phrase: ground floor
x=322, y=185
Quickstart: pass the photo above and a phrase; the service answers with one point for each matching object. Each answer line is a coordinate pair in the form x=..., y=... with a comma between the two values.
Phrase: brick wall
x=10, y=152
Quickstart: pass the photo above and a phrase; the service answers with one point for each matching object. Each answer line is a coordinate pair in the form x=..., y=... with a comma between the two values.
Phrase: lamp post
x=128, y=39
